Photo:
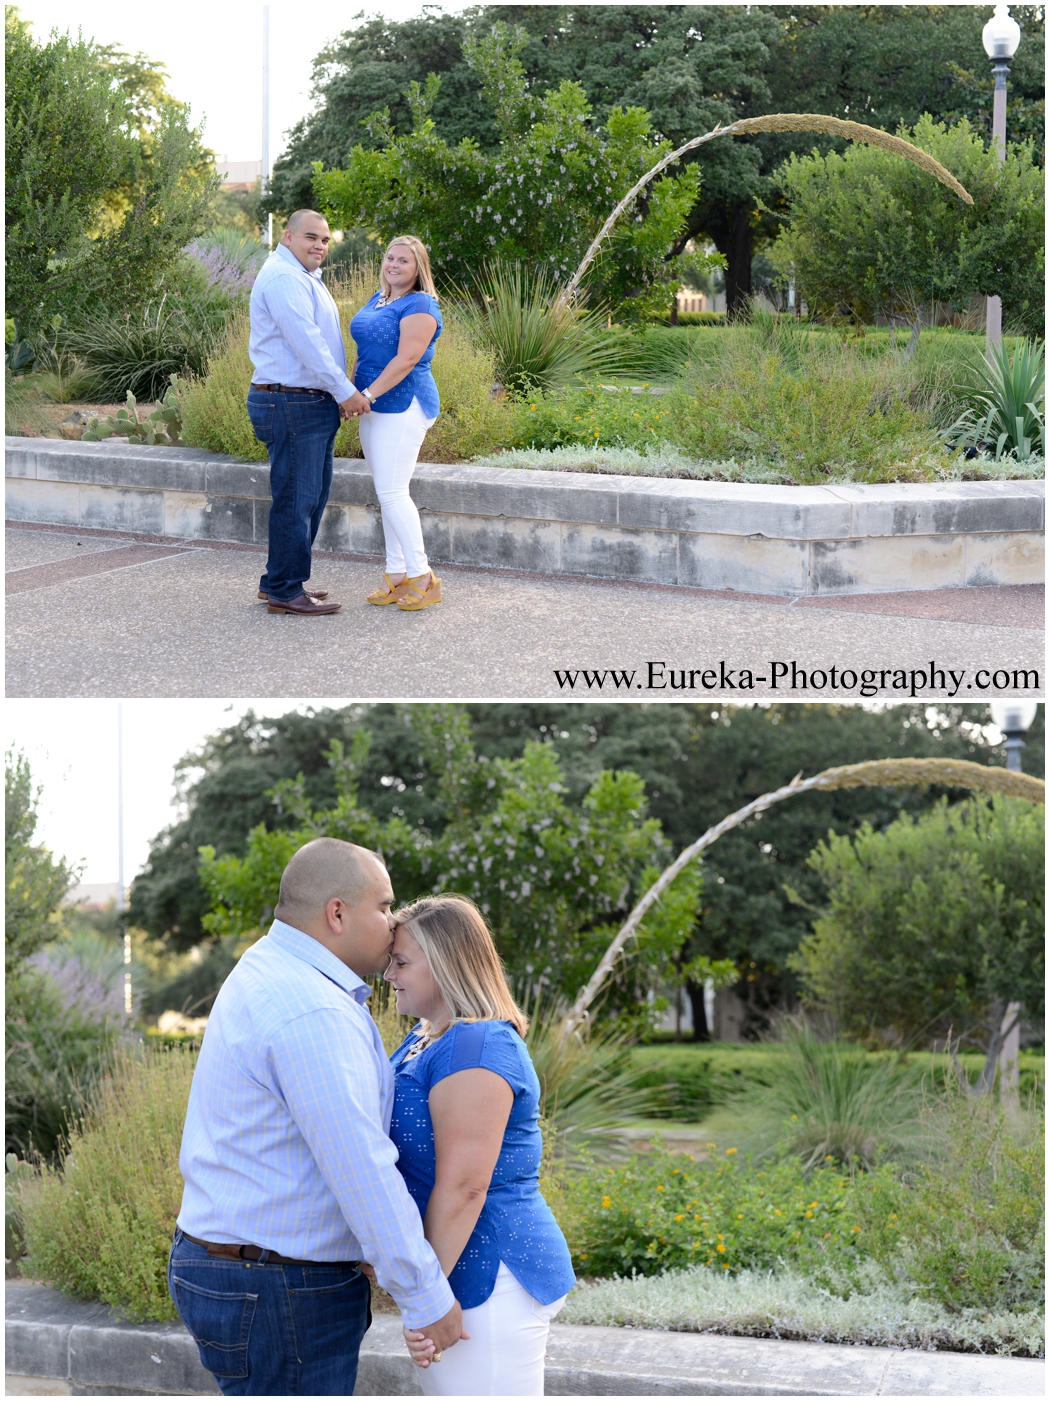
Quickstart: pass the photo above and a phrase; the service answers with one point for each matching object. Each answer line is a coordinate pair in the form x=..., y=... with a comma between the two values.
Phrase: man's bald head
x=296, y=220
x=324, y=870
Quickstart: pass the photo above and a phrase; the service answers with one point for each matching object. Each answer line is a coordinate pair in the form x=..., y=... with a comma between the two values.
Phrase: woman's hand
x=414, y=337
x=421, y=1348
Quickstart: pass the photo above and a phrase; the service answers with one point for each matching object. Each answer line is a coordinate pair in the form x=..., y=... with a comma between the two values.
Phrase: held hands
x=427, y=1344
x=355, y=406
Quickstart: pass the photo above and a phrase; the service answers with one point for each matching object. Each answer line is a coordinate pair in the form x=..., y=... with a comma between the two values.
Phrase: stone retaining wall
x=86, y=1350
x=784, y=540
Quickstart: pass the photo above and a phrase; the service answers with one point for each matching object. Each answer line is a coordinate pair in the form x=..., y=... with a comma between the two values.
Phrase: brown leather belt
x=231, y=1251
x=291, y=389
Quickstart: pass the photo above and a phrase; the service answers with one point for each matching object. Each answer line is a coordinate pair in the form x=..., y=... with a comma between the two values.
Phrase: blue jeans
x=271, y=1330
x=299, y=432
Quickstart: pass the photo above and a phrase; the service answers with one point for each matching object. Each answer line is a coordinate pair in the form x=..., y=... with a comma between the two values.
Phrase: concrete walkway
x=99, y=613
x=58, y=1347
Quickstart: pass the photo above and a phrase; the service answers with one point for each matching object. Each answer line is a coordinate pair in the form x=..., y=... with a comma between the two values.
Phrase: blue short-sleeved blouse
x=516, y=1226
x=376, y=331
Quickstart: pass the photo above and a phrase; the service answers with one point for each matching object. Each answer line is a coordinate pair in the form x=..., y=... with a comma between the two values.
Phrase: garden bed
x=751, y=538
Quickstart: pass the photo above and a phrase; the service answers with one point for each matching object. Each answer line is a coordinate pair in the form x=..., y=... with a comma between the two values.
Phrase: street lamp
x=1001, y=36
x=1014, y=717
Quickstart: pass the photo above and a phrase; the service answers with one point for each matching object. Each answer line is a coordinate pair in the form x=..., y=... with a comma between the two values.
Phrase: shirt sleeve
x=478, y=1045
x=290, y=303
x=326, y=1070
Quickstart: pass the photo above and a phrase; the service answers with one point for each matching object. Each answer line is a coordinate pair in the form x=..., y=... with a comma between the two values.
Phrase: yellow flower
x=725, y=1267
x=606, y=1201
x=809, y=1213
x=720, y=1248
x=730, y=1150
x=679, y=1218
x=777, y=1211
x=740, y=1217
x=660, y=1187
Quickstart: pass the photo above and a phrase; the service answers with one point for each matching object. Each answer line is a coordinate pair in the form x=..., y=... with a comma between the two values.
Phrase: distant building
x=95, y=897
x=238, y=176
x=689, y=300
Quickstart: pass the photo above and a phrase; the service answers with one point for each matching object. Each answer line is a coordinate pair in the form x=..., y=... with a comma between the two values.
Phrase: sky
x=72, y=750
x=214, y=55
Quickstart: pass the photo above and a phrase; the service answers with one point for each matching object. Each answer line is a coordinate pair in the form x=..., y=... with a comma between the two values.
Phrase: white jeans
x=505, y=1351
x=391, y=443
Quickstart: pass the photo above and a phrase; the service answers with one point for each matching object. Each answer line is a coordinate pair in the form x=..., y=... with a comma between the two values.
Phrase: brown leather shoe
x=318, y=595
x=302, y=604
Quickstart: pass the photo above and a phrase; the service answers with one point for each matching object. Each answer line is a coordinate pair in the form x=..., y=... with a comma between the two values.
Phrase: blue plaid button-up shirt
x=286, y=1141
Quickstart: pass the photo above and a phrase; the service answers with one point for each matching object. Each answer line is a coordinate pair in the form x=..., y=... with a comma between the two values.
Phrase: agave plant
x=540, y=341
x=1005, y=404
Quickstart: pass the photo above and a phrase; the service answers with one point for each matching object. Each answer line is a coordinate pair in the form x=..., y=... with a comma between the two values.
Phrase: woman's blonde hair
x=456, y=942
x=424, y=277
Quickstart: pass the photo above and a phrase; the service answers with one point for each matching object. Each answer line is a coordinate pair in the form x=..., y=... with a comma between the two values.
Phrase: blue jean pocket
x=219, y=1322
x=261, y=415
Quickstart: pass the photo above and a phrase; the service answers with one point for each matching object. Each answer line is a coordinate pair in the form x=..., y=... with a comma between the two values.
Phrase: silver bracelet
x=368, y=395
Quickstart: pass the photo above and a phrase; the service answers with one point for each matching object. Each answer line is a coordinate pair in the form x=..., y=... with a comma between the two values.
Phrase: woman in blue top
x=466, y=1126
x=395, y=333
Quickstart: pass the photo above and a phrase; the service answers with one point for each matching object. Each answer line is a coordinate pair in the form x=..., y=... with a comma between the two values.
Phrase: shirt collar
x=281, y=251
x=301, y=945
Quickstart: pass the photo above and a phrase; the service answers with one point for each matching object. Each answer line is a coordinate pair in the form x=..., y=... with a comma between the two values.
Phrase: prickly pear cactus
x=163, y=426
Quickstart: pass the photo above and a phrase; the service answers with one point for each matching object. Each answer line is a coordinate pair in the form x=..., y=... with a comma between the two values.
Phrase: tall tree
x=933, y=925
x=35, y=881
x=699, y=762
x=690, y=66
x=104, y=188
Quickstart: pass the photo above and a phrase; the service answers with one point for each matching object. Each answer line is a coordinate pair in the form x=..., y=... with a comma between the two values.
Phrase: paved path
x=99, y=613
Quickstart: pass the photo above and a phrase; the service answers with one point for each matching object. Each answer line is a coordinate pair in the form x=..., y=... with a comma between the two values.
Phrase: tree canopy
x=689, y=66
x=932, y=925
x=539, y=195
x=106, y=179
x=35, y=881
x=698, y=762
x=869, y=234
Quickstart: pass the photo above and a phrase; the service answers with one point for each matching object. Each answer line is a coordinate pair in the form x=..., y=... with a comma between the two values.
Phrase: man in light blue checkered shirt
x=298, y=394
x=290, y=1175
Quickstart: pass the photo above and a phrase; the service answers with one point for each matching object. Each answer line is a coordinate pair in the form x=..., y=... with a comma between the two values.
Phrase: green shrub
x=963, y=1230
x=593, y=416
x=101, y=1226
x=53, y=1054
x=967, y=1229
x=665, y=1211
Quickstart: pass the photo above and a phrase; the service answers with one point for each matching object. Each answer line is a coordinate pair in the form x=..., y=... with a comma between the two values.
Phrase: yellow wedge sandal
x=419, y=595
x=390, y=593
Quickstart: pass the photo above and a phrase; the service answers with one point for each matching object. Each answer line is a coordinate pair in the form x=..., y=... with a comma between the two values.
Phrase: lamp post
x=1014, y=718
x=1001, y=36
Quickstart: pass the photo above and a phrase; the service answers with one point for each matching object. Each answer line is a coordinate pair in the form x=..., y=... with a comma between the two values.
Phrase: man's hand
x=427, y=1344
x=355, y=406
